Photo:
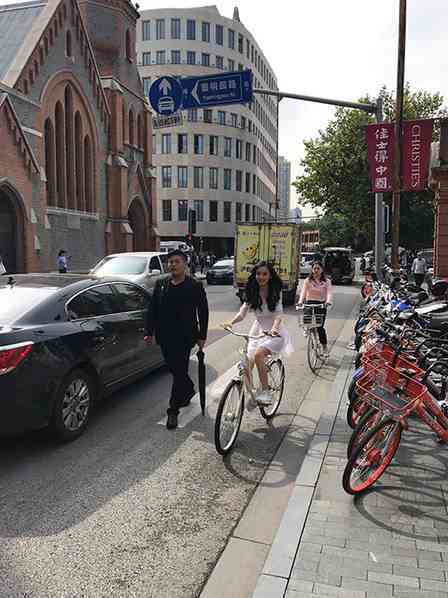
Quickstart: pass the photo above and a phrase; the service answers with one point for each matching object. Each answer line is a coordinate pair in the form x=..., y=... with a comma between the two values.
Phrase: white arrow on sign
x=165, y=87
x=194, y=92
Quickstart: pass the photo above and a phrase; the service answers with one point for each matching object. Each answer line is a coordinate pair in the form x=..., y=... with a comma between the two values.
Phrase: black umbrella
x=201, y=376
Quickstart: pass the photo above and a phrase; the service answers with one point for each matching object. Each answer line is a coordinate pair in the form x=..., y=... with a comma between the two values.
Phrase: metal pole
x=371, y=108
x=398, y=140
x=277, y=197
x=379, y=210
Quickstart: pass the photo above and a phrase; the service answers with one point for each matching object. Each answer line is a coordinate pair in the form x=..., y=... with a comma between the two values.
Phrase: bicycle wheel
x=366, y=422
x=355, y=411
x=372, y=457
x=276, y=377
x=313, y=351
x=228, y=417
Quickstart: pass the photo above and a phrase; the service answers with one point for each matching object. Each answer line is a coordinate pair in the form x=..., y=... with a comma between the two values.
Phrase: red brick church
x=75, y=134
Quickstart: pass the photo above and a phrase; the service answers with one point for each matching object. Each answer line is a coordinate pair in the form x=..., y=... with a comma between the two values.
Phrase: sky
x=337, y=49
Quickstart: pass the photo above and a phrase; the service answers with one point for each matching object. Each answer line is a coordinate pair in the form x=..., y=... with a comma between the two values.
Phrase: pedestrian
x=62, y=261
x=178, y=319
x=363, y=264
x=317, y=289
x=419, y=269
x=264, y=299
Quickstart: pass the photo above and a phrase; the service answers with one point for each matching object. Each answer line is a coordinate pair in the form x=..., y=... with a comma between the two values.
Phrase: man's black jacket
x=191, y=315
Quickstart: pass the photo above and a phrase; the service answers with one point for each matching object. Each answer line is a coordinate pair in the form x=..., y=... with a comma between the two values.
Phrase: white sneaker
x=251, y=404
x=305, y=333
x=265, y=398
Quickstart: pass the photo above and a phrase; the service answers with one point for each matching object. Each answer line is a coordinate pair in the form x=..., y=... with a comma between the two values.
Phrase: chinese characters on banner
x=416, y=153
x=417, y=137
x=380, y=148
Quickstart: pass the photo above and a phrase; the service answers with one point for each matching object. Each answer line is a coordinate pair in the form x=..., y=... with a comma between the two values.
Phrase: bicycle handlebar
x=247, y=337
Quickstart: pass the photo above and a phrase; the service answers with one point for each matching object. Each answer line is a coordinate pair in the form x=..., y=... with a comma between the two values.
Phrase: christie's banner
x=416, y=153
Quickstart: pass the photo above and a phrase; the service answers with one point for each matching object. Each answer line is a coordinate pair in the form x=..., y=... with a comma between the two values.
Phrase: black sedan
x=221, y=272
x=66, y=340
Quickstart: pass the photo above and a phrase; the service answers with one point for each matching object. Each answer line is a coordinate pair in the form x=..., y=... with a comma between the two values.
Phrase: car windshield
x=15, y=302
x=126, y=264
x=223, y=265
x=307, y=258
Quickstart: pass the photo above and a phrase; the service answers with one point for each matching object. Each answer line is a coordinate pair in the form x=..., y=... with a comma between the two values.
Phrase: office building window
x=247, y=182
x=254, y=184
x=182, y=177
x=191, y=29
x=199, y=209
x=205, y=31
x=219, y=35
x=227, y=147
x=231, y=64
x=198, y=177
x=182, y=210
x=161, y=57
x=252, y=54
x=208, y=116
x=193, y=115
x=239, y=212
x=167, y=210
x=227, y=211
x=240, y=43
x=239, y=149
x=146, y=30
x=175, y=56
x=254, y=154
x=254, y=214
x=146, y=85
x=231, y=39
x=248, y=49
x=166, y=143
x=239, y=181
x=221, y=117
x=213, y=148
x=199, y=144
x=146, y=58
x=220, y=62
x=191, y=57
x=182, y=143
x=227, y=179
x=205, y=59
x=234, y=119
x=154, y=148
x=213, y=207
x=243, y=122
x=166, y=177
x=247, y=210
x=160, y=29
x=175, y=28
x=213, y=178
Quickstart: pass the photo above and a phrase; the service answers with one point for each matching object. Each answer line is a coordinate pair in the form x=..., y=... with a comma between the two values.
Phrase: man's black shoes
x=171, y=422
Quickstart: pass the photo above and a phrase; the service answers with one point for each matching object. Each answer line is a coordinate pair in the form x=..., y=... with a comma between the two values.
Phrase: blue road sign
x=168, y=94
x=217, y=90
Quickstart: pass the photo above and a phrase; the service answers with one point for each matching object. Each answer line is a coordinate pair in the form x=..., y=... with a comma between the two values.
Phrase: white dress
x=264, y=320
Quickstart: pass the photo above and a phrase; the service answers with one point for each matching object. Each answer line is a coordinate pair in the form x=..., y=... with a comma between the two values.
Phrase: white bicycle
x=312, y=319
x=231, y=405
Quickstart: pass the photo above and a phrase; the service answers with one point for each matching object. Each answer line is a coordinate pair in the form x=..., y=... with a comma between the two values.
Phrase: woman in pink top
x=317, y=289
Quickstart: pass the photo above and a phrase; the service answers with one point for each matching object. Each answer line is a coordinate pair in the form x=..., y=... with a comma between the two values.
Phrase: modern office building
x=284, y=187
x=221, y=162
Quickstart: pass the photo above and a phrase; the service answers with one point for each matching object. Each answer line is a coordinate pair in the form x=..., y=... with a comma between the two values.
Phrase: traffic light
x=192, y=222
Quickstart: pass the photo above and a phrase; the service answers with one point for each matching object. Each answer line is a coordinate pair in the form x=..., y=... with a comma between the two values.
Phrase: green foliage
x=336, y=180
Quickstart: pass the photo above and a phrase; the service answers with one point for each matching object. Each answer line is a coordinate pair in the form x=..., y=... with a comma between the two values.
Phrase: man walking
x=419, y=269
x=178, y=317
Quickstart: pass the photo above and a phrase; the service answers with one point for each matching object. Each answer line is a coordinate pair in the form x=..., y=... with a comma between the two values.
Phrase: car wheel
x=74, y=400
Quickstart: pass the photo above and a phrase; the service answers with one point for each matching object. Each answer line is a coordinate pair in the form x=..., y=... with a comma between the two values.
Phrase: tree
x=336, y=177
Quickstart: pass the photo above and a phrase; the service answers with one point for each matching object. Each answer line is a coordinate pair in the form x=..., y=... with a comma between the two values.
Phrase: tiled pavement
x=393, y=541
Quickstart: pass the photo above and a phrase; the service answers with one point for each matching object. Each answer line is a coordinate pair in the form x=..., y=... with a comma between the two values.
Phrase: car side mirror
x=155, y=272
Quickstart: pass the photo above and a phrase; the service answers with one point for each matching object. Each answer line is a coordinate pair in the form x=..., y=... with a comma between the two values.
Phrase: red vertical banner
x=380, y=149
x=417, y=137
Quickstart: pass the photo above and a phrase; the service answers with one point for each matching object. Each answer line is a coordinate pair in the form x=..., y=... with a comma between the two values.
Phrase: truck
x=276, y=243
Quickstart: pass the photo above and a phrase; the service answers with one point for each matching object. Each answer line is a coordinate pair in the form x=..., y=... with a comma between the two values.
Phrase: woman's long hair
x=253, y=297
x=323, y=278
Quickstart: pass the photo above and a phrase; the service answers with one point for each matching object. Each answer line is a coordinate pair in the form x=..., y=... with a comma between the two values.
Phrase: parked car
x=66, y=341
x=221, y=272
x=143, y=268
x=306, y=259
x=339, y=264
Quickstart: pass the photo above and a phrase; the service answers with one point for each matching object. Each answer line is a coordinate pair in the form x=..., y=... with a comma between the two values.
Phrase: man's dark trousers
x=177, y=357
x=419, y=278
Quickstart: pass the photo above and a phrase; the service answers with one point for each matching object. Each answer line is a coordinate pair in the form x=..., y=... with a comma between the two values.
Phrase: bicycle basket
x=312, y=319
x=390, y=389
x=381, y=353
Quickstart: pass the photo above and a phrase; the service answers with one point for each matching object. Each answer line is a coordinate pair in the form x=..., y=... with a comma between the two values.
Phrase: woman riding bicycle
x=317, y=290
x=264, y=300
